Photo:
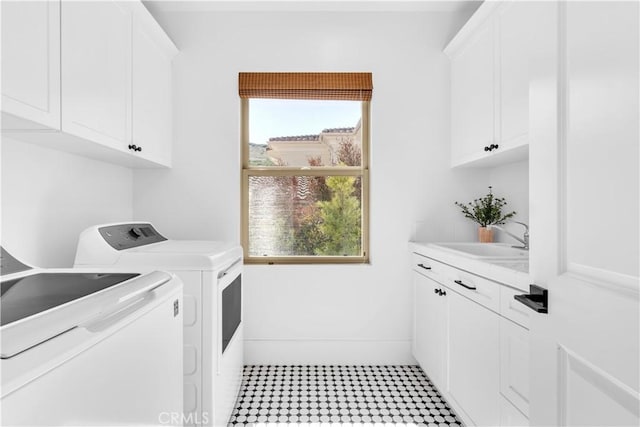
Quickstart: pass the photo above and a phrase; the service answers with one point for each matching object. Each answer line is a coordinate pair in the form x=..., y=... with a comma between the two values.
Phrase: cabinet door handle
x=424, y=266
x=459, y=282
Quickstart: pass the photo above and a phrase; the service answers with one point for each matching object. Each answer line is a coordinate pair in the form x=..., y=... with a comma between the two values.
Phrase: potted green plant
x=486, y=211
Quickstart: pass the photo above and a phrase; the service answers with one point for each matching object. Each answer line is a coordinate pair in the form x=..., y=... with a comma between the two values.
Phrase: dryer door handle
x=226, y=270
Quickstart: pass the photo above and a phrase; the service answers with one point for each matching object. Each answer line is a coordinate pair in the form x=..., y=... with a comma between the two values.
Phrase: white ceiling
x=312, y=5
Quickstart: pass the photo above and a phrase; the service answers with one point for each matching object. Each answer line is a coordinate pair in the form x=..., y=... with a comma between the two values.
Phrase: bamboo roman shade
x=326, y=86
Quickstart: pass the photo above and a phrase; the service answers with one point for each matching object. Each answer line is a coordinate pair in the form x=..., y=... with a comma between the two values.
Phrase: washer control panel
x=127, y=236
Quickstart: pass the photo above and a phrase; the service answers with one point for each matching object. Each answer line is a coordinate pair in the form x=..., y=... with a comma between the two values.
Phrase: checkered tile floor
x=396, y=395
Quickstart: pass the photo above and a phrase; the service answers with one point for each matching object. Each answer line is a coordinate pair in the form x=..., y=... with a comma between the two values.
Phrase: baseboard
x=327, y=352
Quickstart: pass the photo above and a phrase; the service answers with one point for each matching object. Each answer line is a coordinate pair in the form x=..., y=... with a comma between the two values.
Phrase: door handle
x=537, y=299
x=226, y=270
x=424, y=266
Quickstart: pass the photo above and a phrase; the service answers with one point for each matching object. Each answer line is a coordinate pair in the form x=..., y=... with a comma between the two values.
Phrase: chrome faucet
x=524, y=240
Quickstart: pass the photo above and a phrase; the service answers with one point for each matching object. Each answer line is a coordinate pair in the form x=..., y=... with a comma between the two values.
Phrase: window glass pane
x=305, y=216
x=299, y=133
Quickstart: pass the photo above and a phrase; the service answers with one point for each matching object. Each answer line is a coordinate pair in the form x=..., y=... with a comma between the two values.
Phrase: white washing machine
x=212, y=275
x=86, y=348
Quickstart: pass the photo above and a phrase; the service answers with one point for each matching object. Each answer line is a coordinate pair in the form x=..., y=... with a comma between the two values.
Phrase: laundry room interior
x=462, y=248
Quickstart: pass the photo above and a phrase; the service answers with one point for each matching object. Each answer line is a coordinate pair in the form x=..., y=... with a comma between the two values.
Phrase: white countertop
x=514, y=273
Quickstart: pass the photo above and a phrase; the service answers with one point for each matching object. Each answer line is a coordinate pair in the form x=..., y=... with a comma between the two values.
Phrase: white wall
x=49, y=197
x=511, y=181
x=317, y=314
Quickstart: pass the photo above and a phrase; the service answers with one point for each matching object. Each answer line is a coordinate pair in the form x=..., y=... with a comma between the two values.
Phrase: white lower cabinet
x=472, y=342
x=514, y=364
x=510, y=416
x=474, y=359
x=430, y=328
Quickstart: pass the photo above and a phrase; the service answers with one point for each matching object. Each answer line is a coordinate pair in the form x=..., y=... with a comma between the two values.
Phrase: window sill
x=306, y=260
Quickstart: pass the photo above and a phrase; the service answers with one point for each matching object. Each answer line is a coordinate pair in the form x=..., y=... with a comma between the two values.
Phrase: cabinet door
x=514, y=364
x=31, y=64
x=510, y=416
x=519, y=46
x=151, y=96
x=472, y=98
x=514, y=38
x=474, y=359
x=96, y=78
x=430, y=329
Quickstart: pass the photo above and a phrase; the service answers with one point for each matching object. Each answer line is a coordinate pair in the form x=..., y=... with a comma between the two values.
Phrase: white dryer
x=213, y=331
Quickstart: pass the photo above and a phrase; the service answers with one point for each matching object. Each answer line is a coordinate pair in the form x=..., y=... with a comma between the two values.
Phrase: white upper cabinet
x=96, y=77
x=490, y=59
x=472, y=100
x=152, y=100
x=30, y=65
x=95, y=74
x=514, y=27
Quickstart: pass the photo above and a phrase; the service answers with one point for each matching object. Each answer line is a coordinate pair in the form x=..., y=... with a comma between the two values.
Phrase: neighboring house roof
x=296, y=138
x=339, y=130
x=316, y=137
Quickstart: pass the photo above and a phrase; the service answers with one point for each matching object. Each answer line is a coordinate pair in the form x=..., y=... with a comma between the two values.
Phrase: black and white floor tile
x=340, y=395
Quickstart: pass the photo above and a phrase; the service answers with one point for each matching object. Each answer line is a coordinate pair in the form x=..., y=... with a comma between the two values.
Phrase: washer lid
x=29, y=295
x=30, y=322
x=9, y=264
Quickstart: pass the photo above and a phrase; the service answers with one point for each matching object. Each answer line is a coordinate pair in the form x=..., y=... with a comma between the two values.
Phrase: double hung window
x=305, y=167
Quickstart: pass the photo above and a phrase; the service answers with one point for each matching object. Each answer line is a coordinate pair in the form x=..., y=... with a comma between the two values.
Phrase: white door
x=31, y=64
x=584, y=216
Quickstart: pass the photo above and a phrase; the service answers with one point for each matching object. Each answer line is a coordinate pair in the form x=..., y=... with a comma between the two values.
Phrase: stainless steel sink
x=486, y=251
